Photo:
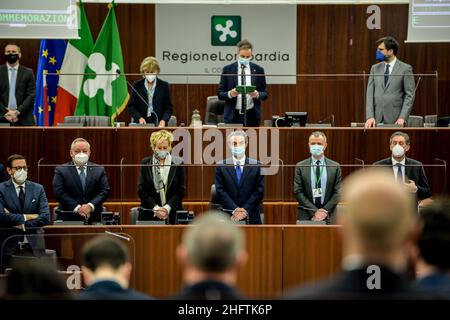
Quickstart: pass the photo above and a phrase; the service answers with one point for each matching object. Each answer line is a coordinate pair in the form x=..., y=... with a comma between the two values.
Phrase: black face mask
x=11, y=58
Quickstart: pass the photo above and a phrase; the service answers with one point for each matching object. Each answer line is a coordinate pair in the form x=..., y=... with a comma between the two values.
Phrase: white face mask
x=398, y=151
x=81, y=158
x=20, y=176
x=150, y=77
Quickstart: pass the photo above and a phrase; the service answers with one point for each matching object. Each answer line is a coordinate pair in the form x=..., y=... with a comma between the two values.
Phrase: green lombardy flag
x=104, y=89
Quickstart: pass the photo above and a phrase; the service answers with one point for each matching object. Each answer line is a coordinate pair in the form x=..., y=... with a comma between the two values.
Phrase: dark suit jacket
x=248, y=194
x=437, y=285
x=208, y=290
x=69, y=192
x=110, y=290
x=303, y=189
x=353, y=285
x=25, y=94
x=3, y=174
x=175, y=186
x=35, y=203
x=229, y=80
x=413, y=171
x=162, y=101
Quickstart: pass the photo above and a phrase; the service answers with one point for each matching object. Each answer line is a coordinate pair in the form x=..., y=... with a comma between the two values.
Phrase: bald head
x=379, y=213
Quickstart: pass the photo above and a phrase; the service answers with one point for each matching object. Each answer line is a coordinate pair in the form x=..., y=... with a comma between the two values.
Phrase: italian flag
x=74, y=64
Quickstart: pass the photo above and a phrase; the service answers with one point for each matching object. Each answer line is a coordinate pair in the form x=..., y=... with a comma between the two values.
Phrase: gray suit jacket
x=303, y=189
x=395, y=100
x=25, y=94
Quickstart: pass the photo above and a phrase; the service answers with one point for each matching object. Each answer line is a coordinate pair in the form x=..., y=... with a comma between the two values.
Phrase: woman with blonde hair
x=161, y=182
x=150, y=100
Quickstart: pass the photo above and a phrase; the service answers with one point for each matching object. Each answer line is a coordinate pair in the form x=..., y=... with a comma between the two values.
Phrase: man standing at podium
x=243, y=108
x=317, y=182
x=81, y=186
x=390, y=91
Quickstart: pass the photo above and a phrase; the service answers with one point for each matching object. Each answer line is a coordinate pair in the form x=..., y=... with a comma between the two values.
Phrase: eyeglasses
x=20, y=168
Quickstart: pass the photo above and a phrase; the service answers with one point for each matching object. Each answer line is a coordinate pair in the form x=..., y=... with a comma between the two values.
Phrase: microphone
x=330, y=117
x=361, y=161
x=119, y=73
x=444, y=188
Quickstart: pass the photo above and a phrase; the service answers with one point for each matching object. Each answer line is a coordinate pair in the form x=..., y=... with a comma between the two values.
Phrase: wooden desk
x=280, y=257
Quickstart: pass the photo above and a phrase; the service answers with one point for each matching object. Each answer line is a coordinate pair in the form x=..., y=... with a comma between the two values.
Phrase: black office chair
x=215, y=205
x=214, y=110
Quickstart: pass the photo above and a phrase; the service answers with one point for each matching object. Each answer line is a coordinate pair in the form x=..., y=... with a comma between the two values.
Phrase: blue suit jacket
x=69, y=192
x=35, y=203
x=3, y=175
x=248, y=194
x=162, y=102
x=110, y=290
x=229, y=80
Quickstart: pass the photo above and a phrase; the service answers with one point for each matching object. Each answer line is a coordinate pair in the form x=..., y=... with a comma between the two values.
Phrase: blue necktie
x=238, y=172
x=12, y=103
x=83, y=177
x=386, y=74
x=399, y=172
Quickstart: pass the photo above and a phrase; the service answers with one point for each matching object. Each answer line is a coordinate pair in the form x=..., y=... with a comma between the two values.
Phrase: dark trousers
x=250, y=118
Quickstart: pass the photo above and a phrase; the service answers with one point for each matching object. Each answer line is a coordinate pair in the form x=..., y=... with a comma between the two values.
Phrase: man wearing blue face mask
x=81, y=186
x=242, y=108
x=390, y=90
x=239, y=182
x=317, y=182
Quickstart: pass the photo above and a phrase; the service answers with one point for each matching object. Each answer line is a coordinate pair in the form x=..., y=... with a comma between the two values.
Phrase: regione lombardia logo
x=225, y=30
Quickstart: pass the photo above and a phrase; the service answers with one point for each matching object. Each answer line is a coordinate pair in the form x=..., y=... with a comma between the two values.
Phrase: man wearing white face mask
x=81, y=186
x=150, y=101
x=408, y=171
x=317, y=182
x=239, y=181
x=24, y=206
x=242, y=72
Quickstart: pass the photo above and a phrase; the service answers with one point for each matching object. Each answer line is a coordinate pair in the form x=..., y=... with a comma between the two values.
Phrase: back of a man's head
x=434, y=240
x=213, y=243
x=104, y=252
x=378, y=214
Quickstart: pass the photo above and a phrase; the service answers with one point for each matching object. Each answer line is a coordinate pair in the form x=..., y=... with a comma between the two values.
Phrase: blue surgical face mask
x=244, y=61
x=238, y=152
x=162, y=154
x=380, y=56
x=316, y=149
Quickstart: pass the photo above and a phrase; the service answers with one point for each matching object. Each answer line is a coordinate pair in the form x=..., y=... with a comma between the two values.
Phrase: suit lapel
x=392, y=74
x=75, y=176
x=246, y=170
x=157, y=89
x=307, y=177
x=229, y=167
x=13, y=196
x=408, y=169
x=172, y=170
x=29, y=191
x=89, y=175
x=4, y=79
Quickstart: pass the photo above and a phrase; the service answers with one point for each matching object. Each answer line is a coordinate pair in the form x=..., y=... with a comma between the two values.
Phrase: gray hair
x=318, y=134
x=244, y=45
x=238, y=133
x=80, y=140
x=213, y=242
x=401, y=134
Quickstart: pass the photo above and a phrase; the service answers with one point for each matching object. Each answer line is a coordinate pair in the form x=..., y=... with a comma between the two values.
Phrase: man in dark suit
x=81, y=186
x=390, y=90
x=243, y=72
x=17, y=89
x=378, y=223
x=161, y=182
x=317, y=182
x=23, y=211
x=150, y=101
x=239, y=181
x=106, y=270
x=211, y=255
x=406, y=170
x=433, y=243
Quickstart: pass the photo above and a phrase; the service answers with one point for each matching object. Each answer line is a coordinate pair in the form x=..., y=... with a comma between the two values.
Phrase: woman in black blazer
x=150, y=100
x=161, y=182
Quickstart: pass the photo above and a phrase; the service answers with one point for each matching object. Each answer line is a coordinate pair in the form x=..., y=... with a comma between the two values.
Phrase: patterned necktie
x=150, y=101
x=83, y=177
x=21, y=198
x=12, y=103
x=238, y=172
x=243, y=96
x=318, y=200
x=386, y=74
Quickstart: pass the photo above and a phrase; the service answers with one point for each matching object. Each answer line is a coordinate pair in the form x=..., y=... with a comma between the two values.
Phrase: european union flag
x=51, y=56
